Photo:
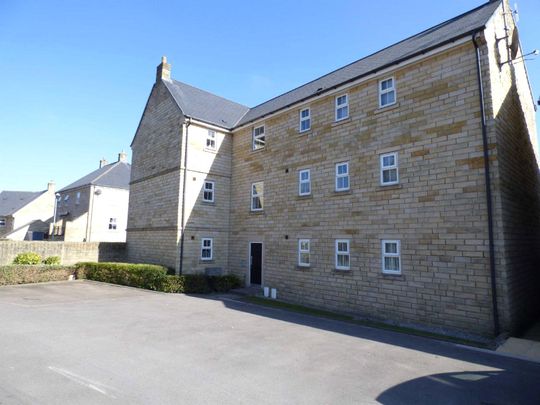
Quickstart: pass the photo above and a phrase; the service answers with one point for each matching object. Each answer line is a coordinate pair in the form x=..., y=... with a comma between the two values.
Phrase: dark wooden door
x=255, y=270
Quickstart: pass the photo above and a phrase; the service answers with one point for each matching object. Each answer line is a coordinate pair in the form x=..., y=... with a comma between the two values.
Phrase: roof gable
x=205, y=106
x=115, y=175
x=13, y=201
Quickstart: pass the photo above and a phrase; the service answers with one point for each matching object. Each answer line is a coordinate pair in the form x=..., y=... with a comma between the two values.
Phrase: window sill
x=393, y=276
x=259, y=212
x=341, y=122
x=338, y=193
x=209, y=202
x=211, y=261
x=214, y=151
x=307, y=132
x=257, y=150
x=342, y=271
x=389, y=187
x=304, y=197
x=302, y=268
x=390, y=107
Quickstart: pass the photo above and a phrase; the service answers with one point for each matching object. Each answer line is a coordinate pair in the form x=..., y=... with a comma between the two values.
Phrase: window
x=305, y=120
x=2, y=222
x=390, y=257
x=387, y=92
x=208, y=191
x=206, y=249
x=211, y=140
x=389, y=169
x=303, y=252
x=343, y=255
x=258, y=138
x=78, y=198
x=112, y=224
x=342, y=176
x=257, y=196
x=66, y=199
x=342, y=107
x=304, y=182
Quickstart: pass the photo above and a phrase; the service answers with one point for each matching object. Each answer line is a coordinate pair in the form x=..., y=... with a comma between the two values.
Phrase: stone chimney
x=122, y=157
x=50, y=186
x=163, y=70
x=103, y=162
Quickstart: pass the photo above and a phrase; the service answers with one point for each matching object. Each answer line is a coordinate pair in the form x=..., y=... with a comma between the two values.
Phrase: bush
x=27, y=258
x=153, y=277
x=149, y=276
x=24, y=274
x=52, y=260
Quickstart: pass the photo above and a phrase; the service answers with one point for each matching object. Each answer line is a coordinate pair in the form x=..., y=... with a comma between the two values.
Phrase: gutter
x=187, y=123
x=492, y=269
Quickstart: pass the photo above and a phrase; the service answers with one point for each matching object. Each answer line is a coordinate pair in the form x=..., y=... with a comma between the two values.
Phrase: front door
x=255, y=263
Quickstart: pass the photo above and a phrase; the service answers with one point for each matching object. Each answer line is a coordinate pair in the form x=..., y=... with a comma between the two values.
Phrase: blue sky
x=75, y=75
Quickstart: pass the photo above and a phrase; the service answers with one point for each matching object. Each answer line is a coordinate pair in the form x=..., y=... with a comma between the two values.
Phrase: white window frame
x=209, y=248
x=338, y=176
x=66, y=200
x=304, y=252
x=301, y=182
x=210, y=138
x=260, y=196
x=207, y=190
x=343, y=253
x=386, y=91
x=78, y=198
x=2, y=222
x=113, y=224
x=258, y=138
x=385, y=254
x=342, y=106
x=305, y=119
x=384, y=168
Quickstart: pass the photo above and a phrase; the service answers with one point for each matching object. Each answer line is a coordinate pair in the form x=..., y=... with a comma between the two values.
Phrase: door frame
x=249, y=262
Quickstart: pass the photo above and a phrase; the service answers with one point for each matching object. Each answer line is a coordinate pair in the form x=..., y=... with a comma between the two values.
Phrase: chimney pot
x=103, y=162
x=50, y=186
x=163, y=70
x=122, y=157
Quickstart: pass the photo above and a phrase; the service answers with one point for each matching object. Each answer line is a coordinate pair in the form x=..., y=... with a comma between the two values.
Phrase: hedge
x=25, y=274
x=153, y=277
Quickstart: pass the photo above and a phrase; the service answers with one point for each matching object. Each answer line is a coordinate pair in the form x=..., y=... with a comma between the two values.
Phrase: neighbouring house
x=26, y=215
x=94, y=208
x=403, y=186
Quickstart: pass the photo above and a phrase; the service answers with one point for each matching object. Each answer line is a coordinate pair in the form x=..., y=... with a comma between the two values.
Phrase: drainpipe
x=492, y=270
x=187, y=123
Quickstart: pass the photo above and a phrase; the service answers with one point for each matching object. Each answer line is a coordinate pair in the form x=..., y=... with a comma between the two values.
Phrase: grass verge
x=372, y=324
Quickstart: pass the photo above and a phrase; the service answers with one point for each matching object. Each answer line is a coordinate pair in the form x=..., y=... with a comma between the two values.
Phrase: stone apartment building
x=94, y=208
x=401, y=187
x=26, y=215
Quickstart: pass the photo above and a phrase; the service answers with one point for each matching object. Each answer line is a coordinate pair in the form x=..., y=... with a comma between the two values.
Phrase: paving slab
x=92, y=343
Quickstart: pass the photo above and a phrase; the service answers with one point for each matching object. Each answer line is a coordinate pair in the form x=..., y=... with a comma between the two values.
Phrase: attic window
x=258, y=138
x=211, y=140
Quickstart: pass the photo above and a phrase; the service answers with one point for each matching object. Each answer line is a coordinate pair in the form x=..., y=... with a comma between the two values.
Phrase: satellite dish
x=514, y=46
x=97, y=192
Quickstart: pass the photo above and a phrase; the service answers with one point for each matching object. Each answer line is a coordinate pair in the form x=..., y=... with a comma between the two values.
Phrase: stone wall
x=69, y=252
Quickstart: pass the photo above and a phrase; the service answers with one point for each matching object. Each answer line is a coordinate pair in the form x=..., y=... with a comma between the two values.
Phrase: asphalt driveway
x=91, y=343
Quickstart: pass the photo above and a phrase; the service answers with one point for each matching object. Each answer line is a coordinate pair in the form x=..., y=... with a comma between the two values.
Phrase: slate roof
x=205, y=106
x=216, y=110
x=12, y=201
x=114, y=175
x=434, y=37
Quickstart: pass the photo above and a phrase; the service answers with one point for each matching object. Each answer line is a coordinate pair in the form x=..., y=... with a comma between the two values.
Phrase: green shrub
x=224, y=283
x=52, y=260
x=24, y=274
x=147, y=276
x=27, y=258
x=196, y=284
x=173, y=284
